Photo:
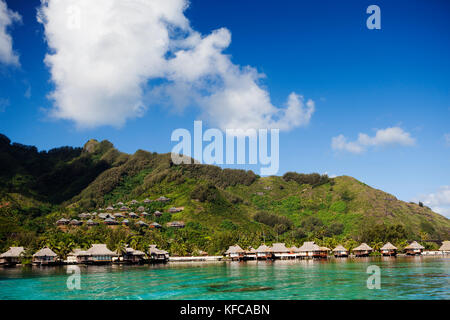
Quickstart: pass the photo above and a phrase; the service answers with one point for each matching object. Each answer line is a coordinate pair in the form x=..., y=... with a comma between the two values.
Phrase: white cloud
x=4, y=103
x=103, y=54
x=7, y=18
x=383, y=137
x=447, y=139
x=438, y=201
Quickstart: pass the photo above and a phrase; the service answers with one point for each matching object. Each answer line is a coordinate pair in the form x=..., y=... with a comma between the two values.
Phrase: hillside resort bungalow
x=235, y=253
x=12, y=256
x=45, y=257
x=445, y=248
x=62, y=222
x=264, y=252
x=388, y=250
x=340, y=252
x=414, y=249
x=363, y=250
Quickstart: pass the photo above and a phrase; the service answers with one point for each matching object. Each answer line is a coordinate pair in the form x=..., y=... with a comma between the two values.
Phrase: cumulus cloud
x=383, y=137
x=438, y=201
x=7, y=18
x=106, y=56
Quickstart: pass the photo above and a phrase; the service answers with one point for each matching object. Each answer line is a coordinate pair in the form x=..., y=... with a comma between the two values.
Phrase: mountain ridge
x=221, y=206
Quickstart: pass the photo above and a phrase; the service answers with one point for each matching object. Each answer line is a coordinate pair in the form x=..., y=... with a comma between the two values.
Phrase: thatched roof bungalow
x=98, y=254
x=45, y=256
x=445, y=248
x=62, y=222
x=309, y=249
x=91, y=223
x=264, y=252
x=12, y=256
x=235, y=252
x=414, y=249
x=388, y=250
x=142, y=224
x=133, y=215
x=75, y=222
x=110, y=222
x=340, y=251
x=157, y=255
x=176, y=224
x=362, y=250
x=163, y=199
x=155, y=225
x=133, y=256
x=140, y=209
x=158, y=214
x=125, y=222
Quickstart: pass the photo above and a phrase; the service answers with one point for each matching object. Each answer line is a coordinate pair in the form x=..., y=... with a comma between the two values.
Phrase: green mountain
x=220, y=206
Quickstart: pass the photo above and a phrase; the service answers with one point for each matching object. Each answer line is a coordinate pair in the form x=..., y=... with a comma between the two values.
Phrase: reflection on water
x=344, y=278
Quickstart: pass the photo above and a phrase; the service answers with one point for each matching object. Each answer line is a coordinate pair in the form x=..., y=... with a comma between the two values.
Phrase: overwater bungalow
x=235, y=253
x=157, y=255
x=264, y=252
x=445, y=248
x=363, y=250
x=250, y=254
x=75, y=222
x=340, y=252
x=158, y=214
x=12, y=256
x=281, y=252
x=155, y=225
x=62, y=222
x=323, y=252
x=111, y=222
x=294, y=251
x=91, y=223
x=176, y=224
x=97, y=254
x=414, y=249
x=76, y=256
x=388, y=250
x=45, y=257
x=309, y=250
x=133, y=256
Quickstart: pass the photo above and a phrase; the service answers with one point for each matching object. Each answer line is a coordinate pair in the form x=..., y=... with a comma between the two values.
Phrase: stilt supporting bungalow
x=340, y=252
x=388, y=250
x=264, y=253
x=45, y=257
x=12, y=256
x=281, y=252
x=98, y=254
x=414, y=249
x=445, y=248
x=310, y=250
x=236, y=253
x=363, y=250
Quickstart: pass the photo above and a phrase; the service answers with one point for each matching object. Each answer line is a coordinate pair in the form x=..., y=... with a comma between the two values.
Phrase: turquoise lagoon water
x=401, y=278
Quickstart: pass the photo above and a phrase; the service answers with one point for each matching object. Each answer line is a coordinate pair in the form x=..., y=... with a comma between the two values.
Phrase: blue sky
x=361, y=81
